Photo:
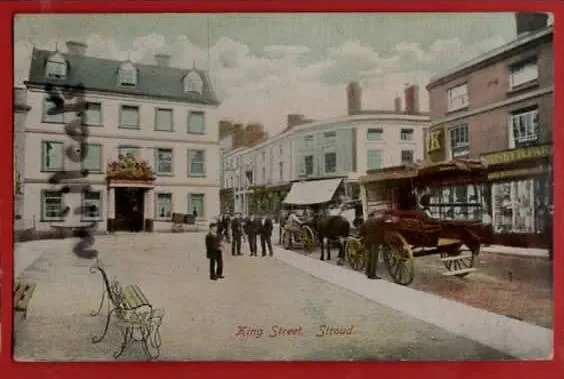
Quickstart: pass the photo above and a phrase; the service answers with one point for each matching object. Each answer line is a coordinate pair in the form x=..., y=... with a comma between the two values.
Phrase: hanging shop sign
x=519, y=154
x=434, y=141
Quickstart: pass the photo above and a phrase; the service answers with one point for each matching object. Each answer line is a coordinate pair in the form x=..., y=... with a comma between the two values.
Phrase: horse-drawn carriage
x=399, y=223
x=297, y=233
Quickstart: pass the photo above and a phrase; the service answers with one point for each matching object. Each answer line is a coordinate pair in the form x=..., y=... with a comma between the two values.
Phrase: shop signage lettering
x=434, y=141
x=519, y=154
x=518, y=172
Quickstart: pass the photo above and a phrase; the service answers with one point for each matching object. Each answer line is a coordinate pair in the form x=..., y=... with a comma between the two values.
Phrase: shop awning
x=312, y=192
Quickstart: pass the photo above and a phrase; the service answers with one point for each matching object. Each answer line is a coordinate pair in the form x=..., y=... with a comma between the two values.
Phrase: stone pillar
x=111, y=209
x=149, y=211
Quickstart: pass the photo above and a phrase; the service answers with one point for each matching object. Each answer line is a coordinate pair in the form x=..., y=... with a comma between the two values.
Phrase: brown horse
x=331, y=228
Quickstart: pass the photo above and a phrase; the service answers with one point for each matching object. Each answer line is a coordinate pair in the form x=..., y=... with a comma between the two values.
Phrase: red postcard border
x=498, y=370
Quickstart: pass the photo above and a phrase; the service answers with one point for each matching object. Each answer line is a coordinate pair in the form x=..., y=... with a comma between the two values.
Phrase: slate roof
x=99, y=74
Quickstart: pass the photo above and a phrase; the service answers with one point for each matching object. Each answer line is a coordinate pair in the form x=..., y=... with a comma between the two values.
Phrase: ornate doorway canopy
x=128, y=172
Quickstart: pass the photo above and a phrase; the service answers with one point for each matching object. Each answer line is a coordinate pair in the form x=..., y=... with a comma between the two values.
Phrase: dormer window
x=127, y=75
x=193, y=83
x=56, y=67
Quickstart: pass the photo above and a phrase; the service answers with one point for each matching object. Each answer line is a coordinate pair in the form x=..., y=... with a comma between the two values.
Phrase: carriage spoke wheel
x=398, y=258
x=356, y=254
x=462, y=263
x=307, y=239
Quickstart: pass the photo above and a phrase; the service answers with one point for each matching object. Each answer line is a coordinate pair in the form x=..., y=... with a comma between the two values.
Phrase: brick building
x=498, y=107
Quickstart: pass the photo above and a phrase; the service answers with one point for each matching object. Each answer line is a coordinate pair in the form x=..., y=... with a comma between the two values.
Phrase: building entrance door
x=129, y=206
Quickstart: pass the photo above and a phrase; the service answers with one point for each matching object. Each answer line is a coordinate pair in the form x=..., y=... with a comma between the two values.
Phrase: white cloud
x=267, y=88
x=284, y=50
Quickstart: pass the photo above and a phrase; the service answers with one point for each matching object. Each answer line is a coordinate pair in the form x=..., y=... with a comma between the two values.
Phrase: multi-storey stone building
x=21, y=109
x=498, y=107
x=259, y=178
x=157, y=114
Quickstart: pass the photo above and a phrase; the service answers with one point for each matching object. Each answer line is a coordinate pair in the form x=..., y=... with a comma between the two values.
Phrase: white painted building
x=342, y=147
x=156, y=113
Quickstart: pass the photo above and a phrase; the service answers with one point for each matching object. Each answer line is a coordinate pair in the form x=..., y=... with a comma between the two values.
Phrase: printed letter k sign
x=433, y=142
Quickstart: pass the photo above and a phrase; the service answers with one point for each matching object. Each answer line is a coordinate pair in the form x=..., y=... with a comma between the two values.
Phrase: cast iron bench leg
x=99, y=339
x=127, y=339
x=96, y=313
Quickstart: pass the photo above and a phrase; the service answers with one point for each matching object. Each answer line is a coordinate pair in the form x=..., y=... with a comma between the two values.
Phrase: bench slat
x=18, y=294
x=142, y=298
x=128, y=298
x=24, y=301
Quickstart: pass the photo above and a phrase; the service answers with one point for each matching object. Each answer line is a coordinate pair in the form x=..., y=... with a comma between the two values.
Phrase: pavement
x=516, y=338
x=335, y=314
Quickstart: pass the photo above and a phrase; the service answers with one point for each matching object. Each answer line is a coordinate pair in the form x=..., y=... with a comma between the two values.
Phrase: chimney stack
x=294, y=120
x=527, y=22
x=163, y=60
x=412, y=99
x=354, y=98
x=225, y=128
x=397, y=104
x=76, y=48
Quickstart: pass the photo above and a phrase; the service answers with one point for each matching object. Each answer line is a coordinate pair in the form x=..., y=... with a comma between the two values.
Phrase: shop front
x=520, y=181
x=267, y=199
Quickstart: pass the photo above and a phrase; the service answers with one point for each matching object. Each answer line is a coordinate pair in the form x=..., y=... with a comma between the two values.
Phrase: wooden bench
x=23, y=291
x=134, y=312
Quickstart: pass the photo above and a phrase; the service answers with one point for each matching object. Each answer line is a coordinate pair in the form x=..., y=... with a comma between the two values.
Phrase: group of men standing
x=233, y=230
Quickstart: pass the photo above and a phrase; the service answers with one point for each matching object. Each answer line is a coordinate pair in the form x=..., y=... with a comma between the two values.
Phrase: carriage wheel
x=356, y=253
x=398, y=258
x=307, y=238
x=462, y=263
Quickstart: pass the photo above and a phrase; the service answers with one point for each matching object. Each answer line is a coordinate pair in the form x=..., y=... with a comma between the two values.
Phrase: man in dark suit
x=213, y=253
x=251, y=230
x=236, y=234
x=266, y=235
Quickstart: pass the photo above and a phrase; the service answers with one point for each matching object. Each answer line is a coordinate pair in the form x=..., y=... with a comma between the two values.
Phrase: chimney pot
x=163, y=60
x=527, y=22
x=412, y=99
x=76, y=48
x=354, y=98
x=397, y=104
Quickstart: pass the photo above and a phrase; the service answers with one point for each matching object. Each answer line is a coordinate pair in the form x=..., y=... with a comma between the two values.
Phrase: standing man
x=213, y=253
x=237, y=234
x=251, y=230
x=266, y=235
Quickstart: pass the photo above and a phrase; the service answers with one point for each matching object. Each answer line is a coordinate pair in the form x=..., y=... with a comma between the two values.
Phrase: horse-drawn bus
x=325, y=218
x=402, y=218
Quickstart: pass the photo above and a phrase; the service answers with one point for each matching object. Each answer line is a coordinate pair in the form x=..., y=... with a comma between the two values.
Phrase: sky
x=266, y=66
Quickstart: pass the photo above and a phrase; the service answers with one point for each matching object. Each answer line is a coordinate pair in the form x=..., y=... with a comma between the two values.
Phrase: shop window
x=514, y=206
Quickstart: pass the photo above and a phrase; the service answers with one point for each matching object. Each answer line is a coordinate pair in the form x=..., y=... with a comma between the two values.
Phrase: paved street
x=510, y=285
x=202, y=316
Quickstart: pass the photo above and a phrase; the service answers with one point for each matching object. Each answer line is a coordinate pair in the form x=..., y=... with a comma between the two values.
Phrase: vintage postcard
x=272, y=187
